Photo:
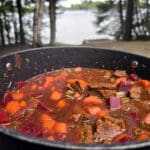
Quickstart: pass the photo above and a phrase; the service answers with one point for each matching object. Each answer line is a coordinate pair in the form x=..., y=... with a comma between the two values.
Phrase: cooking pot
x=36, y=61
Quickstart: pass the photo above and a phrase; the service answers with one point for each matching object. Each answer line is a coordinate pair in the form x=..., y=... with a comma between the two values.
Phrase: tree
x=52, y=14
x=2, y=28
x=121, y=16
x=12, y=9
x=127, y=34
x=5, y=21
x=20, y=13
x=38, y=13
x=132, y=25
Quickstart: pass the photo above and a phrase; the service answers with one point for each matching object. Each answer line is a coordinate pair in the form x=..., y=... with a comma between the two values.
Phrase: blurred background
x=117, y=24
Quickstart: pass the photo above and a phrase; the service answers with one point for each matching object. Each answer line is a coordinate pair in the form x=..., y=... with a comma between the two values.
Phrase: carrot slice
x=49, y=78
x=17, y=95
x=60, y=127
x=121, y=79
x=64, y=74
x=142, y=136
x=12, y=107
x=93, y=110
x=51, y=138
x=23, y=103
x=83, y=83
x=76, y=95
x=53, y=88
x=48, y=81
x=62, y=103
x=92, y=100
x=147, y=119
x=102, y=113
x=47, y=122
x=33, y=87
x=124, y=137
x=78, y=69
x=145, y=83
x=56, y=95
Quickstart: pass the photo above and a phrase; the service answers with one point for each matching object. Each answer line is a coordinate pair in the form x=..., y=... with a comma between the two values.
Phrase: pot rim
x=67, y=145
x=69, y=47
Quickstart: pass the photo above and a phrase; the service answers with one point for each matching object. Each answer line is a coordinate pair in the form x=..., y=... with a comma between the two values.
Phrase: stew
x=80, y=105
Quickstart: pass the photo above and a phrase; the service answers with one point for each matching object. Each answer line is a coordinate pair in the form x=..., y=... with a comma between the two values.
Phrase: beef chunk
x=86, y=134
x=79, y=114
x=107, y=128
x=144, y=104
x=107, y=85
x=135, y=92
x=120, y=73
x=107, y=93
x=103, y=85
x=146, y=121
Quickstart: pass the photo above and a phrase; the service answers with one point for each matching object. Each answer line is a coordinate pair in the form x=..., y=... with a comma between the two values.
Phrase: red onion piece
x=32, y=130
x=3, y=117
x=125, y=86
x=7, y=98
x=44, y=107
x=134, y=115
x=125, y=139
x=114, y=103
x=133, y=77
x=20, y=84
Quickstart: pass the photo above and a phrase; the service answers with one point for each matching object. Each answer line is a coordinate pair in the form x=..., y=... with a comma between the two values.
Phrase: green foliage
x=84, y=5
x=105, y=6
x=141, y=19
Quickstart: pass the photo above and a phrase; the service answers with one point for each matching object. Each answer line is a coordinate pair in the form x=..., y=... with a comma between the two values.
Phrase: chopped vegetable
x=62, y=103
x=143, y=136
x=60, y=127
x=120, y=73
x=51, y=138
x=3, y=117
x=125, y=99
x=23, y=103
x=33, y=87
x=12, y=107
x=114, y=103
x=78, y=69
x=134, y=115
x=20, y=84
x=47, y=122
x=119, y=80
x=147, y=119
x=124, y=86
x=37, y=95
x=48, y=81
x=92, y=100
x=102, y=113
x=133, y=77
x=56, y=95
x=31, y=129
x=94, y=110
x=121, y=94
x=124, y=137
x=145, y=83
x=17, y=95
x=7, y=98
x=42, y=106
x=83, y=84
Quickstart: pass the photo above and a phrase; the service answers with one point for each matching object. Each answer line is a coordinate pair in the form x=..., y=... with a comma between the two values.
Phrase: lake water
x=73, y=27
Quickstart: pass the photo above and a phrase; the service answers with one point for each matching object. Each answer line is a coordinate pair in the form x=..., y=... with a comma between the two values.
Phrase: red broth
x=80, y=105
